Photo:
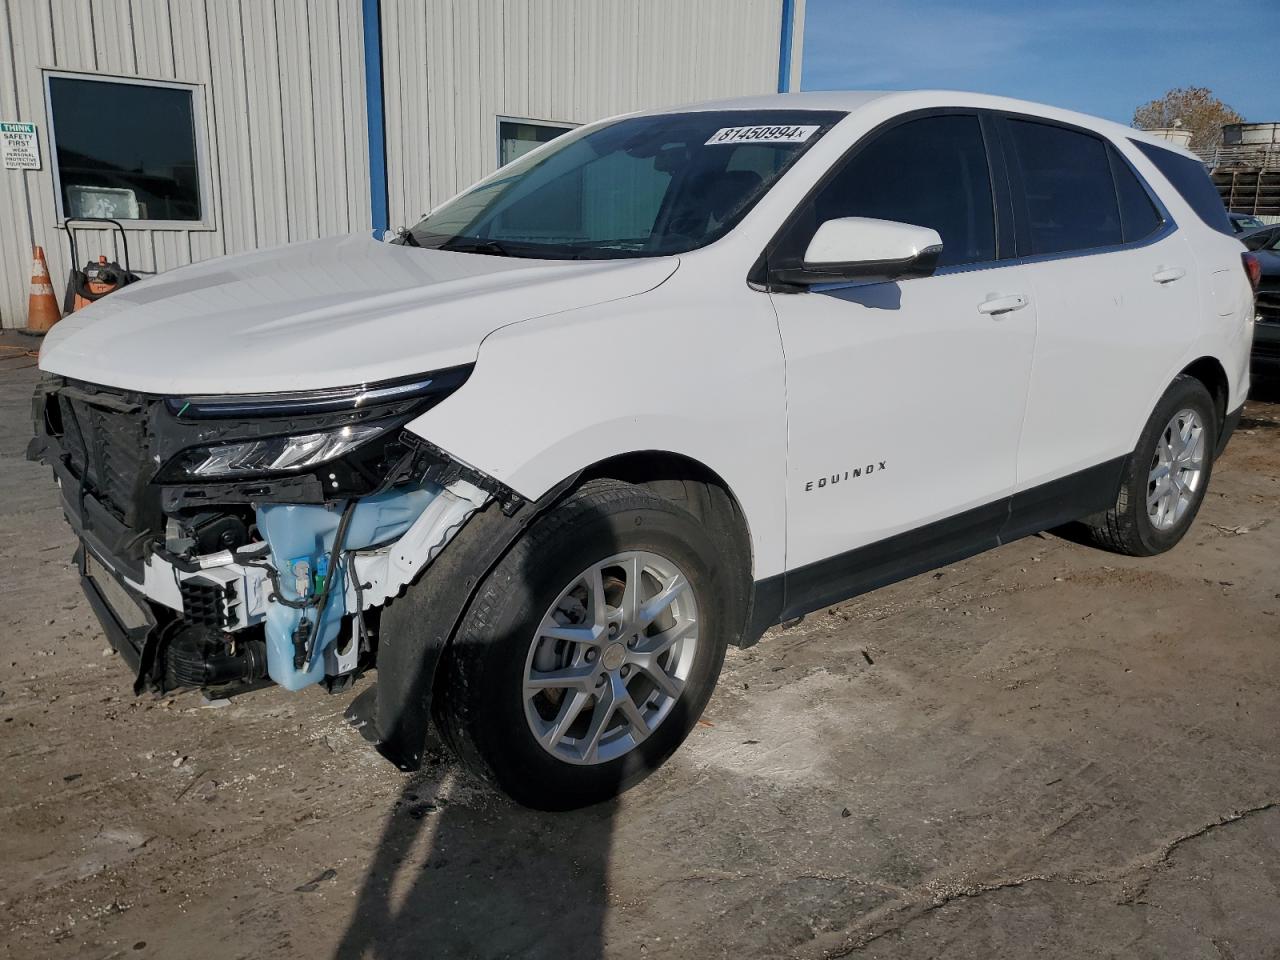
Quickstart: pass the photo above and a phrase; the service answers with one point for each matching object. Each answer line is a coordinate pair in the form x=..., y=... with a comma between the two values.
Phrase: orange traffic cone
x=42, y=307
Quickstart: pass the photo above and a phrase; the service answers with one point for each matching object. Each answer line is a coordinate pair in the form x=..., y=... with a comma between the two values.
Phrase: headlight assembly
x=353, y=431
x=276, y=454
x=425, y=389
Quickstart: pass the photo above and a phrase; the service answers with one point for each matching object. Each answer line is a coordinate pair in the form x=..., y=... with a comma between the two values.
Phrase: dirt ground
x=1046, y=750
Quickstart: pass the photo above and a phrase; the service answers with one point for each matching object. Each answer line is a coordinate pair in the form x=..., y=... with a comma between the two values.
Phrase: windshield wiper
x=489, y=247
x=609, y=249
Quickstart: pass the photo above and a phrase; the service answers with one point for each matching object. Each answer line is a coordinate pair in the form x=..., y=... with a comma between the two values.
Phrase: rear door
x=1114, y=283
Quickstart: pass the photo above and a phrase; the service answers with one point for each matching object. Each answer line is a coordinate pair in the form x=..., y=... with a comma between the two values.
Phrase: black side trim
x=767, y=598
x=892, y=559
x=1061, y=501
x=1229, y=424
x=934, y=545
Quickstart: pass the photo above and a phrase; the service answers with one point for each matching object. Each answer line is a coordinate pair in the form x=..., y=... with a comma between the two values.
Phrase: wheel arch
x=417, y=627
x=698, y=489
x=1210, y=371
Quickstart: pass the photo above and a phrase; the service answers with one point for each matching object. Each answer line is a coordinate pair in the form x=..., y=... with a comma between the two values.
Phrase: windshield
x=641, y=187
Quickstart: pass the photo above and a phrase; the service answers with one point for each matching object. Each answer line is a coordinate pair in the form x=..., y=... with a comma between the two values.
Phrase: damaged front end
x=228, y=540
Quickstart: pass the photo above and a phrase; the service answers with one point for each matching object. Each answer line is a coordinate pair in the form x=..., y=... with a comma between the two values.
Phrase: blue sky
x=1104, y=58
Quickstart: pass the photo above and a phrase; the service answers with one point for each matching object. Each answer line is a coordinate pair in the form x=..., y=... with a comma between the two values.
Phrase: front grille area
x=1268, y=300
x=1266, y=350
x=108, y=447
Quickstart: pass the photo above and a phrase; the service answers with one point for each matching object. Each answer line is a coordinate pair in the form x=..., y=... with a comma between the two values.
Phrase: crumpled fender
x=416, y=628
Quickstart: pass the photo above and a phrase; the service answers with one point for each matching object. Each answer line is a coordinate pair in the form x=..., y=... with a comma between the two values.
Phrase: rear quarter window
x=1192, y=182
x=1139, y=217
x=1070, y=196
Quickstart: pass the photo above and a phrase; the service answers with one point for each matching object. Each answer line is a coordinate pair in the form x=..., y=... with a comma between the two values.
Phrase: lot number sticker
x=21, y=149
x=776, y=134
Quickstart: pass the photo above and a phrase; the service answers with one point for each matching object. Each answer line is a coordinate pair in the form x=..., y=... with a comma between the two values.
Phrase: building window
x=516, y=137
x=127, y=149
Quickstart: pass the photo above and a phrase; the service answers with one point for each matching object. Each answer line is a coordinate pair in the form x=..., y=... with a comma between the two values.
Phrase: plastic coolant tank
x=296, y=531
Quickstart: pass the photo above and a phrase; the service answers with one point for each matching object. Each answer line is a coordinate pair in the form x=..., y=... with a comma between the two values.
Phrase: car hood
x=324, y=313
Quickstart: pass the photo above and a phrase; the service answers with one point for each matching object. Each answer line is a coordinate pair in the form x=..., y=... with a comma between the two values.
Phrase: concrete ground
x=1047, y=750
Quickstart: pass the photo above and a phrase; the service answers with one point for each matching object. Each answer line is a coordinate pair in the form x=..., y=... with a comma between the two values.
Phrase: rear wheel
x=1166, y=477
x=590, y=651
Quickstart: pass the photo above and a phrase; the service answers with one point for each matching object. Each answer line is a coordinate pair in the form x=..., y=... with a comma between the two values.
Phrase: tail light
x=1252, y=269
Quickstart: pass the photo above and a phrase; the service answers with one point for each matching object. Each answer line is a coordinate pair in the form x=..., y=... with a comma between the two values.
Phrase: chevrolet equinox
x=668, y=380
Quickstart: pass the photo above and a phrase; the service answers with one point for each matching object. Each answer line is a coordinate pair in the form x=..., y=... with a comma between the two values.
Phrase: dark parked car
x=1260, y=237
x=1266, y=334
x=1240, y=222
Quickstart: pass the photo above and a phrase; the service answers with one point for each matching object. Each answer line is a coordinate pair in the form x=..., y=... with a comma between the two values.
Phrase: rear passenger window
x=1066, y=178
x=1190, y=179
x=1139, y=217
x=930, y=172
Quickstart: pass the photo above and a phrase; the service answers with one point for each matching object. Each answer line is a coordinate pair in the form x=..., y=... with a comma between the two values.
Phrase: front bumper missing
x=233, y=592
x=152, y=561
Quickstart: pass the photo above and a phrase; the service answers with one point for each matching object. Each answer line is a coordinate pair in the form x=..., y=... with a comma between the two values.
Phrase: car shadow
x=460, y=874
x=873, y=296
x=459, y=871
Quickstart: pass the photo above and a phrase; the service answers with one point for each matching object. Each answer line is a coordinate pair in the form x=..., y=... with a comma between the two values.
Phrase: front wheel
x=1166, y=477
x=590, y=651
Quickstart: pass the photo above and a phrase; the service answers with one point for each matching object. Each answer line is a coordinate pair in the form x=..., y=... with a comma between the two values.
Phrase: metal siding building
x=280, y=105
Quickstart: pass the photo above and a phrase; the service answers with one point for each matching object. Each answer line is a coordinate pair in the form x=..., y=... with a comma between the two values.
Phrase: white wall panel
x=464, y=63
x=285, y=132
x=266, y=134
x=352, y=122
x=284, y=100
x=113, y=41
x=154, y=48
x=15, y=229
x=193, y=61
x=297, y=119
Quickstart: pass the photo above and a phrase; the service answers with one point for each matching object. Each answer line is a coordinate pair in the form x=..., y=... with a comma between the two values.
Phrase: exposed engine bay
x=231, y=541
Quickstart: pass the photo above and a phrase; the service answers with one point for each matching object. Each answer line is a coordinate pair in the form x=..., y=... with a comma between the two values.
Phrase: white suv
x=668, y=380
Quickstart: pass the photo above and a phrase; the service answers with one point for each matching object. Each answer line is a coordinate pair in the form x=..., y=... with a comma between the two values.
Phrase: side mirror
x=862, y=248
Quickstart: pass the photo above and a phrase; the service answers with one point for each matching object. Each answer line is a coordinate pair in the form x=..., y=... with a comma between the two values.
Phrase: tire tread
x=463, y=718
x=1118, y=529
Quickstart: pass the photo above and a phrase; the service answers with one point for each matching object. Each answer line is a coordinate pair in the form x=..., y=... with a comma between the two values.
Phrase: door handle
x=1168, y=274
x=995, y=306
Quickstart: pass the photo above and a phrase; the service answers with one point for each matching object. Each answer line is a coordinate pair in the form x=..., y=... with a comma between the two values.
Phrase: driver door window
x=930, y=172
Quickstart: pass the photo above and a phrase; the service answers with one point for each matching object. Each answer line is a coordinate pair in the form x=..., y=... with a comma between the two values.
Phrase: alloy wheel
x=611, y=657
x=1177, y=469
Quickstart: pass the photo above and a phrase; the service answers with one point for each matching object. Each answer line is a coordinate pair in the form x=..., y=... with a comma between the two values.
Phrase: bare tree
x=1197, y=109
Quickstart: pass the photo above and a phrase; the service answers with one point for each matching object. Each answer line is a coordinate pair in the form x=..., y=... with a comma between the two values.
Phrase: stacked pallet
x=1253, y=190
x=1246, y=168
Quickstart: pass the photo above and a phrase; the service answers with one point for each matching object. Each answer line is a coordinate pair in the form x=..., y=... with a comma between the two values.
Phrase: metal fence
x=1260, y=156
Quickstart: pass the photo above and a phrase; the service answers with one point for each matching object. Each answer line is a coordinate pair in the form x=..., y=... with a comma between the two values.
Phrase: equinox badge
x=835, y=478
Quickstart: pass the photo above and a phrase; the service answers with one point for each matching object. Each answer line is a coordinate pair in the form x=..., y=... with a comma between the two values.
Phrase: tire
x=485, y=710
x=1129, y=527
